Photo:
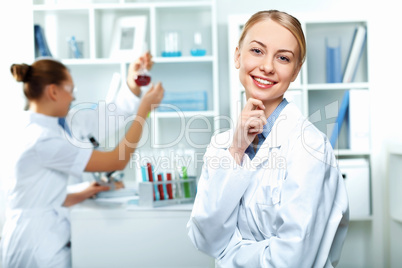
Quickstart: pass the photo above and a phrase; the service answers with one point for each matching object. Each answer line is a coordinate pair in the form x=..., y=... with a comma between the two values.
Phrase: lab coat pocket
x=266, y=210
x=266, y=215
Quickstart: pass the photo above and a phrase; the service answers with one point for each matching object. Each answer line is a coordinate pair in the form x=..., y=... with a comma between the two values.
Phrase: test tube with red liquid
x=169, y=185
x=160, y=188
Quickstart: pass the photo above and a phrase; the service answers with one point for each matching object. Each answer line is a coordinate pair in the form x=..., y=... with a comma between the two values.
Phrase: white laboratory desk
x=131, y=236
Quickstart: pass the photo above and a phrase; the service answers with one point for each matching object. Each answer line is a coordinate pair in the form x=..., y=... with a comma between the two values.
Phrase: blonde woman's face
x=267, y=61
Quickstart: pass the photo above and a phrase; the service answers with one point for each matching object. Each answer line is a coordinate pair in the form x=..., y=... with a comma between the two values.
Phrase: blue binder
x=40, y=42
x=343, y=111
x=333, y=63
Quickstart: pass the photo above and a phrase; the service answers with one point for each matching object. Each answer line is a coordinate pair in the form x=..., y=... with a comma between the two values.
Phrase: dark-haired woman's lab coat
x=37, y=227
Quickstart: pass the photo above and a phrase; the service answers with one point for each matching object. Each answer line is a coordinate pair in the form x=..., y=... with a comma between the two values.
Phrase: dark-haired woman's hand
x=144, y=60
x=152, y=97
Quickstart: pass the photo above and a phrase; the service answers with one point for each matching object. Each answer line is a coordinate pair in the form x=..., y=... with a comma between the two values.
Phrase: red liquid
x=151, y=179
x=142, y=80
x=160, y=188
x=169, y=186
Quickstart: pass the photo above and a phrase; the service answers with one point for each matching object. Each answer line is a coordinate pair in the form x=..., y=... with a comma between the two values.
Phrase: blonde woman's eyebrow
x=280, y=50
x=286, y=50
x=258, y=42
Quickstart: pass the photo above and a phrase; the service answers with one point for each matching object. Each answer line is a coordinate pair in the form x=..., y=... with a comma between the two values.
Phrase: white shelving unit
x=394, y=186
x=314, y=97
x=92, y=22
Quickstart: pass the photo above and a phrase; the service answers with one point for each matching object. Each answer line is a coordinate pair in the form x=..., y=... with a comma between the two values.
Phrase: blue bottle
x=198, y=49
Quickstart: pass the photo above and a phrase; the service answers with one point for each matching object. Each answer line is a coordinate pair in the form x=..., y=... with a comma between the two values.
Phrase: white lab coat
x=287, y=207
x=37, y=227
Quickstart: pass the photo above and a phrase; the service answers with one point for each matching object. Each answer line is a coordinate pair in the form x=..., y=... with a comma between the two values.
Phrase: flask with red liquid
x=143, y=77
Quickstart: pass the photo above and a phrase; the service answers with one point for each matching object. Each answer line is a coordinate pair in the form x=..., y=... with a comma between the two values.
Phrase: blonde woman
x=270, y=193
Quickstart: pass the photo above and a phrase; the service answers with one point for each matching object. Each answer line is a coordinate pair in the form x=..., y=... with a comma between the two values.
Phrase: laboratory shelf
x=342, y=86
x=357, y=219
x=346, y=152
x=183, y=59
x=185, y=114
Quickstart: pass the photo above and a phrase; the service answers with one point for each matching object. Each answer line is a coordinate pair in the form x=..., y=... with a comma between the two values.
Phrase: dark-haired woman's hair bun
x=21, y=72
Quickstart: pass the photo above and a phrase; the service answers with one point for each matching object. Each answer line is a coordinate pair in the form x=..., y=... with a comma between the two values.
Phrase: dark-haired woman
x=37, y=228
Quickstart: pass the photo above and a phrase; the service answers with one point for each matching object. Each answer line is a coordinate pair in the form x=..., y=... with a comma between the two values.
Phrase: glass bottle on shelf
x=172, y=45
x=198, y=50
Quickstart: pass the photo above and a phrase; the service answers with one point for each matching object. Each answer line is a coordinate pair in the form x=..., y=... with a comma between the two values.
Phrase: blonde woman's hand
x=144, y=60
x=251, y=122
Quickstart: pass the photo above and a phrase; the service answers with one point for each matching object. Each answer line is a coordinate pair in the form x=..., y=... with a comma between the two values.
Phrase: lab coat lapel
x=280, y=132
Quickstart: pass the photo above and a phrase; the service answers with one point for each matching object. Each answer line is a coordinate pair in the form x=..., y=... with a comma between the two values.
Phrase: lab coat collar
x=283, y=127
x=272, y=118
x=43, y=120
x=286, y=122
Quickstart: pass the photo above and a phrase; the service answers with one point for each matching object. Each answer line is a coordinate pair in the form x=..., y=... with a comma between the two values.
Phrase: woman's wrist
x=87, y=193
x=135, y=89
x=143, y=110
x=237, y=154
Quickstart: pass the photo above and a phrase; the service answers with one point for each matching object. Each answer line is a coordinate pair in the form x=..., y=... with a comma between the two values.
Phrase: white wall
x=385, y=70
x=13, y=49
x=386, y=97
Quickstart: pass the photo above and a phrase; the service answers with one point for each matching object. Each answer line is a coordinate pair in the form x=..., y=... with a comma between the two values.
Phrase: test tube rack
x=184, y=191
